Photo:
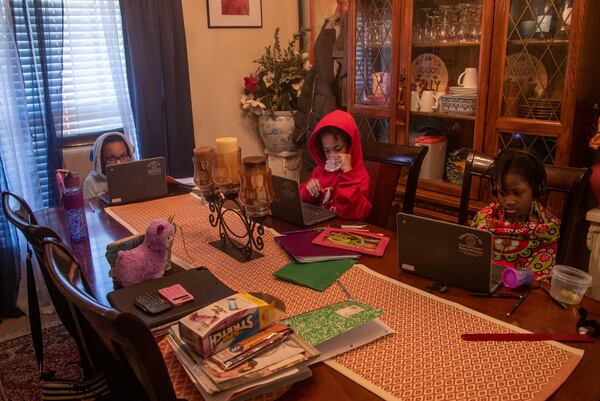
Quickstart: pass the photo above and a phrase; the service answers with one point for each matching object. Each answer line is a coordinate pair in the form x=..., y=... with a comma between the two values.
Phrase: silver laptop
x=136, y=180
x=447, y=252
x=287, y=204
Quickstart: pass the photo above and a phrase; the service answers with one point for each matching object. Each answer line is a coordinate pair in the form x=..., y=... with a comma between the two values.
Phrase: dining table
x=538, y=314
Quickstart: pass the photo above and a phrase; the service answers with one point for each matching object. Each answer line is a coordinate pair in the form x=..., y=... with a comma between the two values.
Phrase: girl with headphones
x=525, y=233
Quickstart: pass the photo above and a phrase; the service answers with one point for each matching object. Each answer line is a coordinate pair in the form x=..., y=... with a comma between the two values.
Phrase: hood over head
x=346, y=123
x=97, y=151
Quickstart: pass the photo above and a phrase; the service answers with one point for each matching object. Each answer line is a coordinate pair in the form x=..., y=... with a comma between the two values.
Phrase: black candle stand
x=242, y=248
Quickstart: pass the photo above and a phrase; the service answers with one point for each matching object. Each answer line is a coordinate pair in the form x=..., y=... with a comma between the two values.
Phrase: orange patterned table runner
x=194, y=234
x=424, y=360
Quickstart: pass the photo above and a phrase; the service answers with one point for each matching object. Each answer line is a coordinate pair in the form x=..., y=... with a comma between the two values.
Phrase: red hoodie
x=349, y=194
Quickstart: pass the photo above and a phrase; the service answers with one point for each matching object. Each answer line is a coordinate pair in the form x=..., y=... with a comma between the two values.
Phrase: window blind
x=79, y=72
x=88, y=93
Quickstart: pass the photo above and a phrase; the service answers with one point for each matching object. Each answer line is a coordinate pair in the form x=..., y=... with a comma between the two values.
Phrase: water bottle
x=73, y=205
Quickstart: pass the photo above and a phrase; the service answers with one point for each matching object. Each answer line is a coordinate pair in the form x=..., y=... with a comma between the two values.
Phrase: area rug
x=19, y=377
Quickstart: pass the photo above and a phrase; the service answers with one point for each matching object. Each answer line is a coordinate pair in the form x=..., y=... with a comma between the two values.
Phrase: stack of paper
x=280, y=365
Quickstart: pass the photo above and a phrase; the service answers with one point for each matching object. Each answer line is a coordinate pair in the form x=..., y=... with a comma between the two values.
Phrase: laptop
x=134, y=181
x=287, y=204
x=201, y=283
x=447, y=252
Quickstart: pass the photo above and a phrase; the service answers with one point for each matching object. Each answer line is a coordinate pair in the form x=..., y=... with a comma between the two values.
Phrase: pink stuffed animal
x=146, y=261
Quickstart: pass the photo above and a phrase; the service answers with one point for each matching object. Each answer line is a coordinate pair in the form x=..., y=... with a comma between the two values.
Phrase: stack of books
x=272, y=358
x=230, y=354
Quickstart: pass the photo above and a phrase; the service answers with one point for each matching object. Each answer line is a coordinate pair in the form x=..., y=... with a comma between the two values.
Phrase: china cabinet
x=483, y=74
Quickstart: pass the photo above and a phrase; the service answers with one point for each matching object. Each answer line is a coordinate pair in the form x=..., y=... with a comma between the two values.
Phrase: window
x=92, y=41
x=86, y=72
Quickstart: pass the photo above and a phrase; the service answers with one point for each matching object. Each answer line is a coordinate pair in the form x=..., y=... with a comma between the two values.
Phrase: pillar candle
x=227, y=144
x=203, y=160
x=227, y=159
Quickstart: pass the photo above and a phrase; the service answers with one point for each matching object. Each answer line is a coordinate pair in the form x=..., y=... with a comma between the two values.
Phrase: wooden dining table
x=539, y=314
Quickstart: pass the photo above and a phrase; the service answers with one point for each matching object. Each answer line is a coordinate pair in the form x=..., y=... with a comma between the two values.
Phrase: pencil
x=518, y=303
x=92, y=207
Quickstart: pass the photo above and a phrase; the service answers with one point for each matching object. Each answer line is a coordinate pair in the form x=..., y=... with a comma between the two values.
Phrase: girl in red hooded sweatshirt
x=340, y=181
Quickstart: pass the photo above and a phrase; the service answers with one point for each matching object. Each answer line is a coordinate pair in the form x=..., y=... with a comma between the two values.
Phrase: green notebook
x=316, y=275
x=322, y=324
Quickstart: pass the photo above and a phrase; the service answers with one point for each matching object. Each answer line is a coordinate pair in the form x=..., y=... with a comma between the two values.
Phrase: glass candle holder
x=203, y=165
x=256, y=191
x=226, y=172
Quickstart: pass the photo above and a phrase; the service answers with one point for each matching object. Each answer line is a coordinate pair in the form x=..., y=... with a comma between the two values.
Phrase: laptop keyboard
x=312, y=214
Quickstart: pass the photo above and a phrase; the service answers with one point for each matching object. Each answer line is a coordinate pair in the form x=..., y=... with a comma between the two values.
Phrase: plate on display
x=528, y=71
x=430, y=72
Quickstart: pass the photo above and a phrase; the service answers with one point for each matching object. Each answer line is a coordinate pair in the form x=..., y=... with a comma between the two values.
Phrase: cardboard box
x=228, y=321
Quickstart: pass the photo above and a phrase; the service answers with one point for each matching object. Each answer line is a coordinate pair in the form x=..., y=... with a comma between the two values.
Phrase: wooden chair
x=384, y=163
x=570, y=181
x=20, y=215
x=140, y=364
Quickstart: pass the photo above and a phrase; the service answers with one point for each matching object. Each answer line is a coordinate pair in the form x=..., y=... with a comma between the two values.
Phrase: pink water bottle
x=73, y=205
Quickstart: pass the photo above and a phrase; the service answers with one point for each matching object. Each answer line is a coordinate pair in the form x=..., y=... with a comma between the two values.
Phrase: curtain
x=112, y=27
x=158, y=75
x=31, y=121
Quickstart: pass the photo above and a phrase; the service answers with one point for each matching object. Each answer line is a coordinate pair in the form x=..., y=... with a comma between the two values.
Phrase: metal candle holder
x=243, y=247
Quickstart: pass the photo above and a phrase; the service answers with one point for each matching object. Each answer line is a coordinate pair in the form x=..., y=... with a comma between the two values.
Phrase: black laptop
x=447, y=252
x=287, y=204
x=136, y=180
x=201, y=283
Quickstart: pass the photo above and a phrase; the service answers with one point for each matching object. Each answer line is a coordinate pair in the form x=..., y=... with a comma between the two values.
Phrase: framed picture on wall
x=234, y=13
x=312, y=16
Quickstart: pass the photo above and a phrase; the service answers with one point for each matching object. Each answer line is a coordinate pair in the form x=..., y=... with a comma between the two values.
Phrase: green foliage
x=278, y=80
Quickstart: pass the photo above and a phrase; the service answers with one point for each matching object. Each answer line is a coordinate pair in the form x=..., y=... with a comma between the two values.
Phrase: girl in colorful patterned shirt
x=525, y=233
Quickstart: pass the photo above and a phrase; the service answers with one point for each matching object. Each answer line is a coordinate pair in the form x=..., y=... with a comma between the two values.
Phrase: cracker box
x=228, y=321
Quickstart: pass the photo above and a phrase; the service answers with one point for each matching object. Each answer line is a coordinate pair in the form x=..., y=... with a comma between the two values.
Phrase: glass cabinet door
x=373, y=52
x=372, y=98
x=536, y=58
x=443, y=87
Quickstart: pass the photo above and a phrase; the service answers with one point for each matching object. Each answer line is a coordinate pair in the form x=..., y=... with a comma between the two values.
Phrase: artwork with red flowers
x=234, y=13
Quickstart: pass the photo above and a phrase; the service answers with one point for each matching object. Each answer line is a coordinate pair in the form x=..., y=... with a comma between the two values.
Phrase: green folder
x=317, y=275
x=324, y=323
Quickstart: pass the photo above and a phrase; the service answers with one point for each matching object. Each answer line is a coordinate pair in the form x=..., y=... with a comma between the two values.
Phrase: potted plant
x=272, y=92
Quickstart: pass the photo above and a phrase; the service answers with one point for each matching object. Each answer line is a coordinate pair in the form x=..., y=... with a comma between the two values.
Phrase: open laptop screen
x=445, y=252
x=136, y=180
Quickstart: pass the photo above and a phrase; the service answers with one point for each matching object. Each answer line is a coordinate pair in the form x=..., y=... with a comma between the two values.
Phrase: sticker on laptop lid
x=470, y=244
x=154, y=168
x=406, y=266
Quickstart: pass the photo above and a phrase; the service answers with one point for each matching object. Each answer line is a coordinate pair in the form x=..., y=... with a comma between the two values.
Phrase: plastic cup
x=515, y=278
x=568, y=284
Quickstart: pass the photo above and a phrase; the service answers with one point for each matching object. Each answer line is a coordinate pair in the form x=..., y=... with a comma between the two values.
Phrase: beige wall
x=219, y=59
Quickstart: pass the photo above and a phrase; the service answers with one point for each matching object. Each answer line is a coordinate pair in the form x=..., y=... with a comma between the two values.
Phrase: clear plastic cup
x=568, y=284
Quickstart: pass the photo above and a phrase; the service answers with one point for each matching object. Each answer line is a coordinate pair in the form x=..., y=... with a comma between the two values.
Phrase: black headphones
x=540, y=174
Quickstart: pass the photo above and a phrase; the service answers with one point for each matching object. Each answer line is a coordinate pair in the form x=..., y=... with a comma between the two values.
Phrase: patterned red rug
x=19, y=377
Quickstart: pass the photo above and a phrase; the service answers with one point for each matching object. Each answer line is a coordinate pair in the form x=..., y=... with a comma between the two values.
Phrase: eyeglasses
x=113, y=159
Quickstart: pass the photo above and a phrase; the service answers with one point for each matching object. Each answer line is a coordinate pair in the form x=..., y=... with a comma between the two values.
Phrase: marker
x=518, y=303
